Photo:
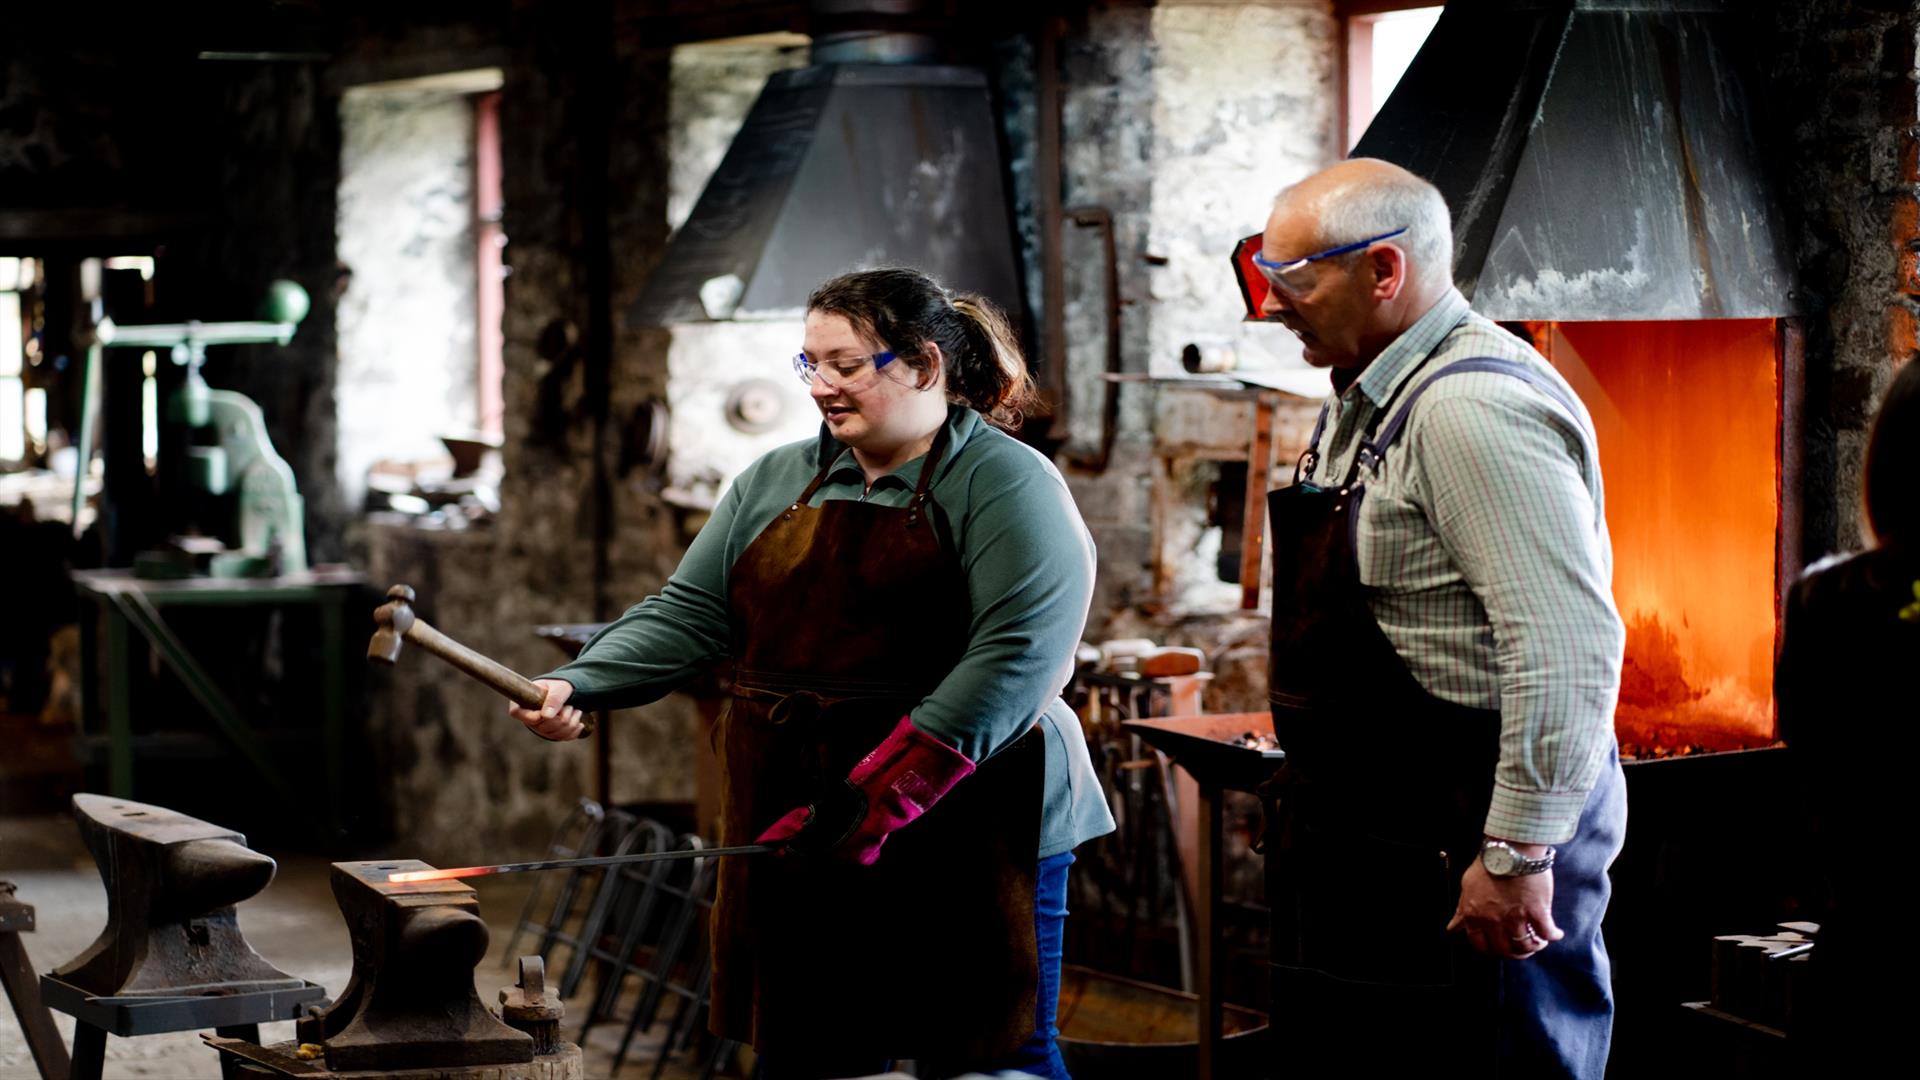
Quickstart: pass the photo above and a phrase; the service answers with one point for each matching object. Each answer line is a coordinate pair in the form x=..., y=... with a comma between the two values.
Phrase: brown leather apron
x=845, y=616
x=1379, y=808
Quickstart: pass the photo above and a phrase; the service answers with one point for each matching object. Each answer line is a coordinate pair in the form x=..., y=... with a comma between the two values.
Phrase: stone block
x=1897, y=49
x=1905, y=220
x=1848, y=50
x=1908, y=273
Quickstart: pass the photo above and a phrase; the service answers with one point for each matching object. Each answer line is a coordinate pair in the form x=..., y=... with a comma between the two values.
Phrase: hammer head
x=392, y=621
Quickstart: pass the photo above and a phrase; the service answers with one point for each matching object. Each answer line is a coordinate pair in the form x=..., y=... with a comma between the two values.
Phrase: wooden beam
x=1254, y=520
x=678, y=22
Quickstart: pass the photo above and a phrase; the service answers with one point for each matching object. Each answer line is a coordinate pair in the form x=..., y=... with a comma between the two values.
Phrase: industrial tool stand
x=237, y=1016
x=16, y=971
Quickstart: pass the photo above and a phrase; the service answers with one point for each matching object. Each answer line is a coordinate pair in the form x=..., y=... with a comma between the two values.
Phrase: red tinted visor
x=1254, y=285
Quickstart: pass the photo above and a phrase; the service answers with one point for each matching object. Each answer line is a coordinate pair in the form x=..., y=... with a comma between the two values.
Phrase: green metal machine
x=240, y=460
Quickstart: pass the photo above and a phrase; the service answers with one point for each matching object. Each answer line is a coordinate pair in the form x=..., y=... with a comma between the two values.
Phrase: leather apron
x=1380, y=805
x=844, y=617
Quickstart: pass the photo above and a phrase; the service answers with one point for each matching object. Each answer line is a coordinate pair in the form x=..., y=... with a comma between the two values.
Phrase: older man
x=1446, y=655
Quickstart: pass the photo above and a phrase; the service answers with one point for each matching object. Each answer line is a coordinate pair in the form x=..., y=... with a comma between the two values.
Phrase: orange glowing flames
x=1687, y=415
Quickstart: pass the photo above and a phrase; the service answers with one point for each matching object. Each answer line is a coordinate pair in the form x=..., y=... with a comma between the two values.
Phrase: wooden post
x=1211, y=977
x=1253, y=521
x=23, y=988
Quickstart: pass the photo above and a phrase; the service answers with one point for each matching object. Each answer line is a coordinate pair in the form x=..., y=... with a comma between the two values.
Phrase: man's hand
x=1510, y=917
x=555, y=720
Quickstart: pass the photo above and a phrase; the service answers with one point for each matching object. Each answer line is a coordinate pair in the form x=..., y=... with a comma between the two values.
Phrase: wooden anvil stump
x=411, y=1002
x=172, y=882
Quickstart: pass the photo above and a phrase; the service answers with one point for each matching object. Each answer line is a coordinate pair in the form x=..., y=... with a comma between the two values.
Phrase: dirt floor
x=294, y=924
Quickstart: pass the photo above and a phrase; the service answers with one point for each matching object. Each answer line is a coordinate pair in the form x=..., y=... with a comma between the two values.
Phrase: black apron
x=845, y=616
x=1379, y=807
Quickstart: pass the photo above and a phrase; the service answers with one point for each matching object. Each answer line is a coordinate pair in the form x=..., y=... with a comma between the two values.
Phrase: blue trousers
x=1549, y=1017
x=1555, y=1011
x=1039, y=1056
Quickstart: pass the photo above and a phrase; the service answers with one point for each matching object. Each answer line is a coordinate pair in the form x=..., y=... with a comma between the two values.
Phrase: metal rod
x=405, y=876
x=167, y=335
x=90, y=376
x=1099, y=217
x=1047, y=182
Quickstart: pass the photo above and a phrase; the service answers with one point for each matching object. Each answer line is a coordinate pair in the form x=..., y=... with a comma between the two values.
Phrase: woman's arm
x=670, y=637
x=1029, y=564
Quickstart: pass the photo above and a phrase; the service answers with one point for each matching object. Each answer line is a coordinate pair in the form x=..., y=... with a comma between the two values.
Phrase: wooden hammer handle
x=515, y=686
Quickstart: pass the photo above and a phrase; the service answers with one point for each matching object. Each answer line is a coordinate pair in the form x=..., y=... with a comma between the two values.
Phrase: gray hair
x=1381, y=203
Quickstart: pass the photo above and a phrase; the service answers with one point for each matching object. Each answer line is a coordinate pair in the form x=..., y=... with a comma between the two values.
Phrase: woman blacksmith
x=900, y=599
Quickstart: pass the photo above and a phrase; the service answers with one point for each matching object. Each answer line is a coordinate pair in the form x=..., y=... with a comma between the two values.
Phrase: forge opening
x=1688, y=419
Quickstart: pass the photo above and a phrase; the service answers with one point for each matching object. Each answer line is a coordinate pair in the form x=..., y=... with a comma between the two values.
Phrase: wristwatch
x=1502, y=861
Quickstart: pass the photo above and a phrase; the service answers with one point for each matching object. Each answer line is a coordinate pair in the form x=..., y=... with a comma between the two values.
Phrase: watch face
x=1498, y=859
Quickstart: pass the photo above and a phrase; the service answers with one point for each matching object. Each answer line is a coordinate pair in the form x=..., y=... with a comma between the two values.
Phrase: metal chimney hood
x=1600, y=158
x=844, y=166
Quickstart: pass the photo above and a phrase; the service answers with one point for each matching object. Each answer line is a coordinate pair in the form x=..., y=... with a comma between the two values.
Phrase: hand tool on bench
x=399, y=624
x=406, y=876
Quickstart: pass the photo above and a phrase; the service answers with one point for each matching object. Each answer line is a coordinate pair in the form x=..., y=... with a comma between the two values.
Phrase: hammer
x=398, y=624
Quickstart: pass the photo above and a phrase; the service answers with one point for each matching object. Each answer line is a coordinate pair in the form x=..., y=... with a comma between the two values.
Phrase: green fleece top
x=1029, y=564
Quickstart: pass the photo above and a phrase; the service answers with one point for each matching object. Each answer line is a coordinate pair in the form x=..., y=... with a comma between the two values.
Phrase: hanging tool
x=407, y=876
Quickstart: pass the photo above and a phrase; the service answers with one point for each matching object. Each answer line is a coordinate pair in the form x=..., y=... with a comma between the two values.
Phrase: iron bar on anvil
x=404, y=877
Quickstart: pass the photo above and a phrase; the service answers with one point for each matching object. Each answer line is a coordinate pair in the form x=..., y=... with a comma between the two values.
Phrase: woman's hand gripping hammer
x=397, y=624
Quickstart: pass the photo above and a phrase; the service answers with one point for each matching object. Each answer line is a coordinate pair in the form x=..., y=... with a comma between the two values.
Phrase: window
x=420, y=238
x=1381, y=39
x=23, y=409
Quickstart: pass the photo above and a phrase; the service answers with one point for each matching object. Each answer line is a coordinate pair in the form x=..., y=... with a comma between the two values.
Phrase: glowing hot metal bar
x=406, y=876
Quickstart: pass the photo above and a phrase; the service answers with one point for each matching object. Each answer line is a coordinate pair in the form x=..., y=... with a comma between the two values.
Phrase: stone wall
x=714, y=84
x=224, y=173
x=1843, y=93
x=1162, y=126
x=583, y=127
x=1224, y=144
x=1182, y=119
x=1158, y=130
x=239, y=164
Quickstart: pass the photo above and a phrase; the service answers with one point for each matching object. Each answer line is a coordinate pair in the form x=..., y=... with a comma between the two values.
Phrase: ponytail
x=905, y=310
x=992, y=377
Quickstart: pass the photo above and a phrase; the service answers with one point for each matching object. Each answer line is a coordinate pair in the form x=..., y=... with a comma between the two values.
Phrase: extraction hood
x=844, y=166
x=1600, y=157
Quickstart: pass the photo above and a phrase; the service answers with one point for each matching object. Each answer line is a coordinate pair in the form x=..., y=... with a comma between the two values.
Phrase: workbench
x=132, y=604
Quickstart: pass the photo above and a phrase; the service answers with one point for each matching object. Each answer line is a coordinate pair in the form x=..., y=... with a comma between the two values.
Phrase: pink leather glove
x=905, y=775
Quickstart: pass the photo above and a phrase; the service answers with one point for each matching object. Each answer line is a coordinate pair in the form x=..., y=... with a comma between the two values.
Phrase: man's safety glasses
x=844, y=373
x=1259, y=277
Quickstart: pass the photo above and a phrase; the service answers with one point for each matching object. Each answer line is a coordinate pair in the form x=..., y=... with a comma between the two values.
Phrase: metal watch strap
x=1524, y=866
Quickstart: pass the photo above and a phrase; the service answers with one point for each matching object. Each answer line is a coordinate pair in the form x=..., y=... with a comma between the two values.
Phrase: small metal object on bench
x=530, y=1007
x=172, y=957
x=411, y=1002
